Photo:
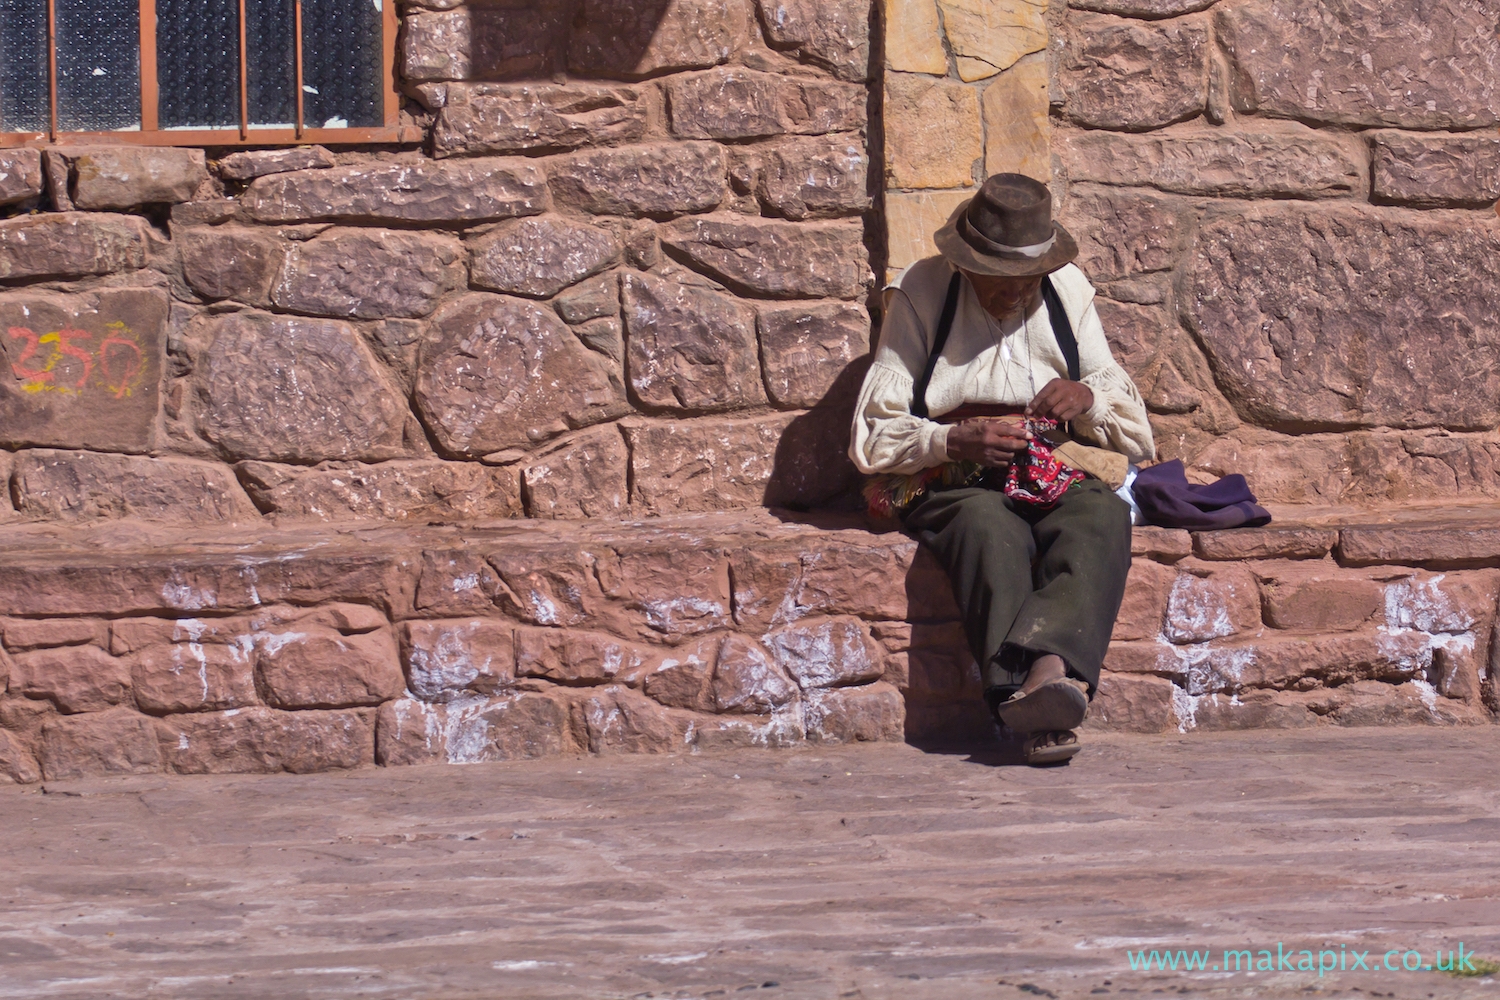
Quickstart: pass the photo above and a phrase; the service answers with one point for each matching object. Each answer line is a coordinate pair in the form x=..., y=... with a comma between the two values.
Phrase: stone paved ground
x=866, y=872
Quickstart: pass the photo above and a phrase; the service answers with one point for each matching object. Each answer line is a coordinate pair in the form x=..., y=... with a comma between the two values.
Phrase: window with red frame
x=198, y=72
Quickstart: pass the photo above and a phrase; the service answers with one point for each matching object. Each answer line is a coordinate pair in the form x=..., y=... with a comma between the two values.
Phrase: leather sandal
x=1060, y=705
x=1055, y=746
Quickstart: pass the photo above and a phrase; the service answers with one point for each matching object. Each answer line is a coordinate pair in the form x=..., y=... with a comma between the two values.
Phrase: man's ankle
x=1044, y=670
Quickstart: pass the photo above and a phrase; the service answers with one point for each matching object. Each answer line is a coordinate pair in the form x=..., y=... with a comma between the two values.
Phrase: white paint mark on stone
x=823, y=655
x=468, y=729
x=196, y=649
x=666, y=615
x=185, y=597
x=274, y=642
x=1185, y=709
x=428, y=718
x=614, y=659
x=1408, y=650
x=1196, y=611
x=251, y=578
x=195, y=629
x=447, y=665
x=786, y=726
x=791, y=607
x=1428, y=694
x=1422, y=604
x=543, y=610
x=1453, y=644
x=1206, y=669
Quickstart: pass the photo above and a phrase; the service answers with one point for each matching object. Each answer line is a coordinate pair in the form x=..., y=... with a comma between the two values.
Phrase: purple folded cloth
x=1168, y=500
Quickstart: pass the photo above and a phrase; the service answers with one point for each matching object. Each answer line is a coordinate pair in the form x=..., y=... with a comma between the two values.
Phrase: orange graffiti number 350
x=118, y=360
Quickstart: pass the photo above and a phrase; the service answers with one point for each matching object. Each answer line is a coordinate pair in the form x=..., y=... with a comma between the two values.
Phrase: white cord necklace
x=1030, y=373
x=997, y=330
x=1006, y=356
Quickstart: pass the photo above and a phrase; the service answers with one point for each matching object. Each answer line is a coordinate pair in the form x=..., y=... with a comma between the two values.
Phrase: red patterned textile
x=1036, y=477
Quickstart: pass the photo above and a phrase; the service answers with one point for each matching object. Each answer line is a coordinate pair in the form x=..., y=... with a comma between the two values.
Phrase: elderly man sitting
x=986, y=352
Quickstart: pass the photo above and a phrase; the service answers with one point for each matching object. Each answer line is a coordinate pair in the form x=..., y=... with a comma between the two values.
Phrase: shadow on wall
x=811, y=468
x=944, y=694
x=593, y=37
x=944, y=704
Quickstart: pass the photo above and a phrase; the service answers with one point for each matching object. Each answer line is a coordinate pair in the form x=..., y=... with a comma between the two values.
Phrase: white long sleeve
x=1117, y=420
x=984, y=361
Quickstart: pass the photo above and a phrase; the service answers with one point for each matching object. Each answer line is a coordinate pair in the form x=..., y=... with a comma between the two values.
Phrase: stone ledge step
x=127, y=648
x=1433, y=536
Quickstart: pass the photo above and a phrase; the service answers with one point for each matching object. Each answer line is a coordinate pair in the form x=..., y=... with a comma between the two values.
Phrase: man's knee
x=1097, y=496
x=987, y=509
x=1103, y=509
x=984, y=518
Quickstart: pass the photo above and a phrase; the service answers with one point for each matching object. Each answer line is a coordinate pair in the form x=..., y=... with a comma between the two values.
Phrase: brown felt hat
x=1006, y=230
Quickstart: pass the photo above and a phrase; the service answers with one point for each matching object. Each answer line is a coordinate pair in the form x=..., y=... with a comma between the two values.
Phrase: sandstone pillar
x=965, y=97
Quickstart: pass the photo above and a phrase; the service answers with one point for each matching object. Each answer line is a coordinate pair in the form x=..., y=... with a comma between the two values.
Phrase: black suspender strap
x=1062, y=329
x=939, y=339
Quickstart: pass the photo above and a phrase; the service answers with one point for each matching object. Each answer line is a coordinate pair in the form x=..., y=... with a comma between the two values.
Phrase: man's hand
x=987, y=440
x=1061, y=400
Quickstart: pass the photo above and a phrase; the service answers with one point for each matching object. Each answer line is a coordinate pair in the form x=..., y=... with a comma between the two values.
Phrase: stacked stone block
x=1290, y=215
x=307, y=651
x=1291, y=627
x=629, y=264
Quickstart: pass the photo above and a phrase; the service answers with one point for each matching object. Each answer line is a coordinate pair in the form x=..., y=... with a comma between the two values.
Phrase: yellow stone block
x=1017, y=130
x=990, y=36
x=911, y=218
x=933, y=135
x=914, y=38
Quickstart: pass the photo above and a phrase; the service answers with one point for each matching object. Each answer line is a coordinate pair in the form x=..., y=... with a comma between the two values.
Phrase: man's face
x=1001, y=296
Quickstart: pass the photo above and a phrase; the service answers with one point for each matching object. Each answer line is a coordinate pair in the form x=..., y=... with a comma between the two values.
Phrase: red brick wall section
x=1293, y=627
x=625, y=275
x=418, y=645
x=1289, y=212
x=414, y=646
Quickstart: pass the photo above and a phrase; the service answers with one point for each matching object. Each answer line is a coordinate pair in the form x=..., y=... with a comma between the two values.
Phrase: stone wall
x=1289, y=213
x=311, y=650
x=623, y=276
x=629, y=273
x=1354, y=624
x=668, y=208
x=304, y=649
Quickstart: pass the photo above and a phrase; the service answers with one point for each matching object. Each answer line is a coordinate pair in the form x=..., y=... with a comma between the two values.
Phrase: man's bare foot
x=1044, y=670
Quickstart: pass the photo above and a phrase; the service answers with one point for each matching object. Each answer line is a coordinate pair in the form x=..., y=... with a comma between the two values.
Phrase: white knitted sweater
x=985, y=361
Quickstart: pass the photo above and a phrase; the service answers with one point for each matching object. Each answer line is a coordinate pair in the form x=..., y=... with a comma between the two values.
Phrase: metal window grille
x=198, y=72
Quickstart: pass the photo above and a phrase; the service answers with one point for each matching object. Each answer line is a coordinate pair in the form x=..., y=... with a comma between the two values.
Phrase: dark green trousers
x=1031, y=581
